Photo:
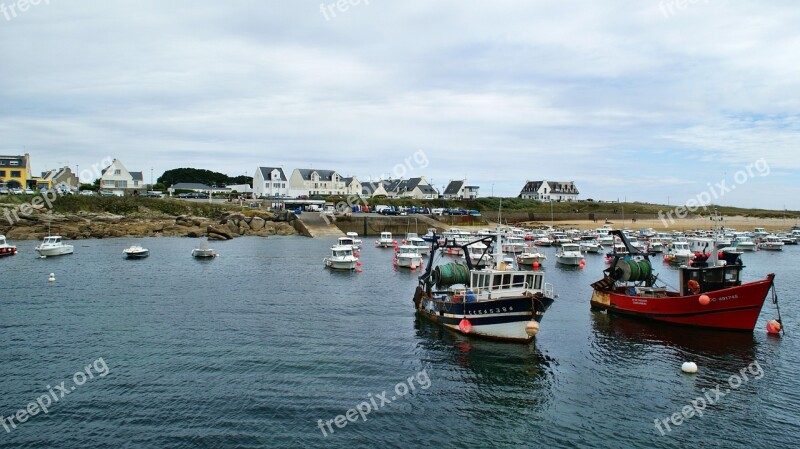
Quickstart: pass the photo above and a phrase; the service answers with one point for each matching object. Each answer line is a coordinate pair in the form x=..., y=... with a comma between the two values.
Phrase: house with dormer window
x=550, y=191
x=117, y=180
x=312, y=182
x=270, y=182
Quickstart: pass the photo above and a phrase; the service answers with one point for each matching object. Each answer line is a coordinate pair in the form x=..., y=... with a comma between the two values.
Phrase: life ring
x=693, y=286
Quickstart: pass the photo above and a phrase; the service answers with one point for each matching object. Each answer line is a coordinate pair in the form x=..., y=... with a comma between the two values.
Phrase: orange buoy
x=465, y=326
x=536, y=265
x=704, y=300
x=774, y=327
x=358, y=270
x=358, y=264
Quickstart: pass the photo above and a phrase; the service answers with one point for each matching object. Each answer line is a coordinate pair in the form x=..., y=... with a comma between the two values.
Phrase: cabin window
x=519, y=280
x=537, y=283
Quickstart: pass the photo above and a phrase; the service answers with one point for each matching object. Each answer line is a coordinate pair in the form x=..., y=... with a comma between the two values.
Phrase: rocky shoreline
x=84, y=225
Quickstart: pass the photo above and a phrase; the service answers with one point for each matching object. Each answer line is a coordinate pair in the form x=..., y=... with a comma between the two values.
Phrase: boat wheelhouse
x=342, y=258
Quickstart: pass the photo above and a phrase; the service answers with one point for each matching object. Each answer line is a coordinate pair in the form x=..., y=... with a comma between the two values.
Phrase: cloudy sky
x=638, y=99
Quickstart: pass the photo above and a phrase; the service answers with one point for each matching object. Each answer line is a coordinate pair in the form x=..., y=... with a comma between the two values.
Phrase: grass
x=129, y=205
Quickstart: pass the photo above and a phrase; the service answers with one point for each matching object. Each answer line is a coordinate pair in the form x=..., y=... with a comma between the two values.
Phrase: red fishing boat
x=711, y=296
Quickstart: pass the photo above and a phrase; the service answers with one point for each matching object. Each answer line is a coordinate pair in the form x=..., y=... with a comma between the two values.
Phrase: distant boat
x=408, y=256
x=569, y=254
x=203, y=252
x=530, y=257
x=136, y=252
x=5, y=248
x=356, y=240
x=771, y=243
x=52, y=245
x=385, y=240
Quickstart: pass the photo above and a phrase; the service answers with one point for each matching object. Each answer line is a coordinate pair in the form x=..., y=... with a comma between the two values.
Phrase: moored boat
x=490, y=303
x=569, y=254
x=342, y=258
x=712, y=296
x=356, y=240
x=408, y=256
x=5, y=248
x=53, y=245
x=203, y=252
x=530, y=257
x=385, y=240
x=136, y=252
x=771, y=243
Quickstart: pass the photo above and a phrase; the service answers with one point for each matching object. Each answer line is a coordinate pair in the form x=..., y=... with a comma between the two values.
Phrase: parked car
x=4, y=191
x=28, y=192
x=475, y=213
x=389, y=211
x=437, y=211
x=88, y=192
x=16, y=191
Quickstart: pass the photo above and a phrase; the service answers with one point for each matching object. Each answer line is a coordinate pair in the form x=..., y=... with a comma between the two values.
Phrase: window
x=13, y=163
x=108, y=182
x=16, y=174
x=118, y=172
x=2, y=173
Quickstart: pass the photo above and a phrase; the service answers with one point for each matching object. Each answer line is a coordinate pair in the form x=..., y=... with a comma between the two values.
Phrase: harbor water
x=262, y=347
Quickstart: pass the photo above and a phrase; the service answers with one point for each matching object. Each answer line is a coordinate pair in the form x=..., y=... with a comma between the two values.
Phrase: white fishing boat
x=413, y=240
x=530, y=257
x=356, y=240
x=492, y=303
x=560, y=238
x=53, y=245
x=542, y=241
x=479, y=255
x=136, y=252
x=588, y=244
x=744, y=243
x=569, y=254
x=678, y=253
x=514, y=244
x=5, y=248
x=771, y=243
x=385, y=240
x=203, y=252
x=408, y=256
x=342, y=258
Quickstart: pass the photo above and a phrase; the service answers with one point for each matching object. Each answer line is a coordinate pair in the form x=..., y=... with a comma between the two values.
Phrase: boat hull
x=569, y=260
x=500, y=319
x=735, y=308
x=530, y=260
x=137, y=255
x=409, y=262
x=58, y=251
x=340, y=264
x=8, y=251
x=203, y=253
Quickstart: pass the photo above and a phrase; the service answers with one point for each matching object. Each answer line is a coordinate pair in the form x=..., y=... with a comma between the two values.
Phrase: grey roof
x=4, y=160
x=555, y=187
x=190, y=186
x=453, y=188
x=368, y=188
x=266, y=172
x=392, y=185
x=136, y=175
x=348, y=180
x=324, y=175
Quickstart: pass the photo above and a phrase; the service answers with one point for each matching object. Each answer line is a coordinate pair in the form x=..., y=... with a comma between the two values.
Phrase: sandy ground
x=738, y=223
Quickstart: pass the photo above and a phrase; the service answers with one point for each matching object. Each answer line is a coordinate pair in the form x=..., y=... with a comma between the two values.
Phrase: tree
x=196, y=175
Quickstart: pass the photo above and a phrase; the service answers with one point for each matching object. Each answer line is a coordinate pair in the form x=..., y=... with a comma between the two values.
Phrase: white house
x=550, y=191
x=459, y=190
x=352, y=186
x=117, y=180
x=307, y=181
x=270, y=182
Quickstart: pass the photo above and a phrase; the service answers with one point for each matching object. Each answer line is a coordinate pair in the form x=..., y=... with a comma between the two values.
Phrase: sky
x=659, y=101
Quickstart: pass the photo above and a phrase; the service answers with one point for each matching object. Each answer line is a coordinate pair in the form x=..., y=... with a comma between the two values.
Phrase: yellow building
x=15, y=171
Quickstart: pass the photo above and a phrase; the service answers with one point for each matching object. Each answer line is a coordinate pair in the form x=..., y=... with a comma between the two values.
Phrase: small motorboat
x=530, y=257
x=52, y=245
x=136, y=252
x=385, y=240
x=342, y=258
x=356, y=240
x=5, y=248
x=771, y=243
x=203, y=252
x=408, y=256
x=569, y=254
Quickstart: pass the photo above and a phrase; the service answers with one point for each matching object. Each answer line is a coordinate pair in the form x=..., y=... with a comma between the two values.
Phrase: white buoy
x=532, y=328
x=52, y=277
x=689, y=367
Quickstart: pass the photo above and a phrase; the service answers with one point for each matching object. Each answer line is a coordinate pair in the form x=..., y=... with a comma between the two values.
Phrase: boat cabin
x=346, y=241
x=341, y=251
x=52, y=240
x=493, y=284
x=701, y=280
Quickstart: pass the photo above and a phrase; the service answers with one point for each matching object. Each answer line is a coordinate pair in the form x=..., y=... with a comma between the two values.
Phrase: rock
x=219, y=232
x=257, y=223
